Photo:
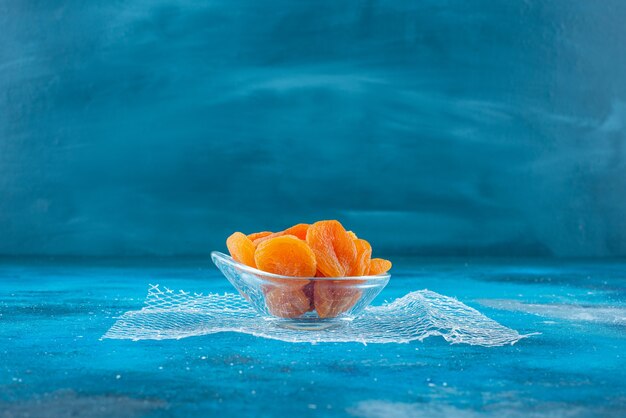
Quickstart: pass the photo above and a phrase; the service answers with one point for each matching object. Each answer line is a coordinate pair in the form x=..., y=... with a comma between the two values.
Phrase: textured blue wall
x=431, y=127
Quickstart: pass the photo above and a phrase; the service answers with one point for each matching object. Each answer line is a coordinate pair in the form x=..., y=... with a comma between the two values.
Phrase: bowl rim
x=229, y=260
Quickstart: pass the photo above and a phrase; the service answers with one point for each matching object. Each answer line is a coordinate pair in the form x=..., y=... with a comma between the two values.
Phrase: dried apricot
x=241, y=249
x=287, y=302
x=333, y=297
x=287, y=256
x=308, y=291
x=324, y=250
x=379, y=266
x=299, y=231
x=334, y=249
x=256, y=235
x=361, y=265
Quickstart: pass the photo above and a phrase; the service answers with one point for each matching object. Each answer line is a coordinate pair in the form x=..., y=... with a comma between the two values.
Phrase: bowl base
x=310, y=324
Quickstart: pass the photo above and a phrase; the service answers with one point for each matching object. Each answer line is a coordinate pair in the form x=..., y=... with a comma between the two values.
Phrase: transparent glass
x=301, y=302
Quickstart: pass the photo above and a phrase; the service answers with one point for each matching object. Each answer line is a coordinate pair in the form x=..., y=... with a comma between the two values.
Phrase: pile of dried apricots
x=322, y=249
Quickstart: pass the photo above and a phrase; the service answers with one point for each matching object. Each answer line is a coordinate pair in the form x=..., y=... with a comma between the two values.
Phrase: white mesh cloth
x=169, y=314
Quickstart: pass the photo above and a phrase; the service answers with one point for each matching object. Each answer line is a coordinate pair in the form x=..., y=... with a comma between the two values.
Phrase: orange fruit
x=332, y=297
x=361, y=265
x=334, y=249
x=308, y=291
x=287, y=302
x=298, y=230
x=256, y=235
x=287, y=256
x=379, y=266
x=241, y=249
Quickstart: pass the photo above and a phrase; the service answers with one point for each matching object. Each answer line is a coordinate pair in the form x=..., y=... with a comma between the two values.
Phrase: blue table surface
x=53, y=362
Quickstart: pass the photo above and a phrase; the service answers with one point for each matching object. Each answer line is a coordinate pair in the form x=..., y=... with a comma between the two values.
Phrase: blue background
x=430, y=128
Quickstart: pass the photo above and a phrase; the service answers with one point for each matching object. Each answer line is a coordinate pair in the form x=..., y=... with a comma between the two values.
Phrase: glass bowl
x=306, y=303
